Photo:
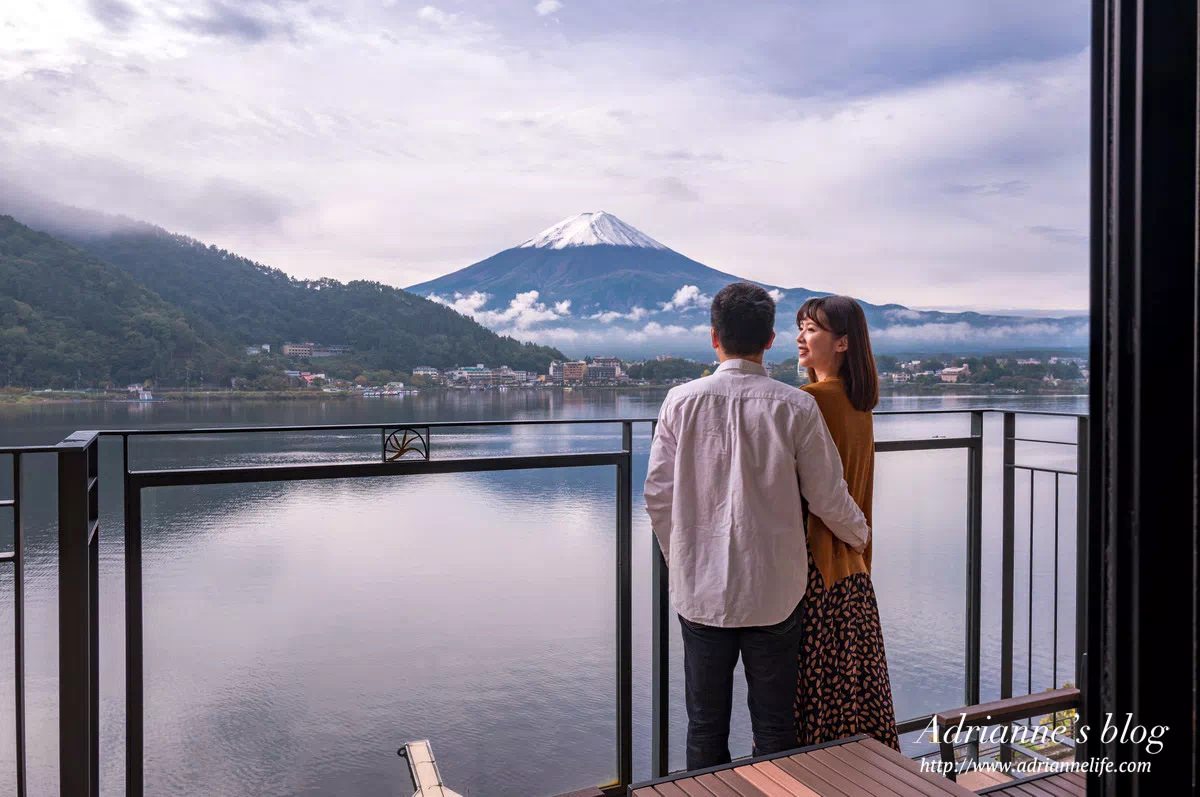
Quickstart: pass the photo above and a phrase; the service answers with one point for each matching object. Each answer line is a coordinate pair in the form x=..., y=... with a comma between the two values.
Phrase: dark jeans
x=769, y=657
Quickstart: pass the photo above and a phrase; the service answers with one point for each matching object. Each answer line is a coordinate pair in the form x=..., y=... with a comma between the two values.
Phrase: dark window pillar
x=1141, y=574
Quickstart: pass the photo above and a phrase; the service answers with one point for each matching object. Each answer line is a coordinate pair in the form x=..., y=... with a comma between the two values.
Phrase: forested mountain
x=67, y=318
x=245, y=302
x=78, y=307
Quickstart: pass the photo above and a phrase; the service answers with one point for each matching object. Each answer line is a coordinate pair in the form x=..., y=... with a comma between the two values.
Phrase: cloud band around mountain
x=962, y=333
x=524, y=311
x=688, y=296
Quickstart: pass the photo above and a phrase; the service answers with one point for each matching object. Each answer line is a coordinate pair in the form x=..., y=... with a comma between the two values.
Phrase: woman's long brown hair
x=841, y=315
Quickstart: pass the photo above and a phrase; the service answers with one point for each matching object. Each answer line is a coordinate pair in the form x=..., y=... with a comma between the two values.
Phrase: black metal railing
x=1008, y=557
x=79, y=534
x=15, y=558
x=17, y=456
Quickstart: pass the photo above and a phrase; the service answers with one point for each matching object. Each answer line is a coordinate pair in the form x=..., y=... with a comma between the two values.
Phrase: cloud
x=435, y=16
x=1005, y=188
x=656, y=329
x=688, y=296
x=959, y=332
x=670, y=334
x=609, y=316
x=115, y=15
x=674, y=188
x=693, y=340
x=522, y=313
x=1058, y=235
x=686, y=155
x=651, y=338
x=554, y=336
x=902, y=314
x=545, y=7
x=465, y=304
x=776, y=294
x=183, y=203
x=227, y=21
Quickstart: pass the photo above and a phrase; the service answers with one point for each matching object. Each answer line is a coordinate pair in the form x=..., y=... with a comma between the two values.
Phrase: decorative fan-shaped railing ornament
x=404, y=441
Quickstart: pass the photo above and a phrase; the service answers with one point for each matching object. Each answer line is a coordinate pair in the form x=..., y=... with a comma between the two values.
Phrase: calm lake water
x=297, y=634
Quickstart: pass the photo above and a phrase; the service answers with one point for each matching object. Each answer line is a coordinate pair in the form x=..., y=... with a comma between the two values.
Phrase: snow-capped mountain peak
x=590, y=229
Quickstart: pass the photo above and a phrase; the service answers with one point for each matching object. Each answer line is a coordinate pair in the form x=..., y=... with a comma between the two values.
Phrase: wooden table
x=856, y=767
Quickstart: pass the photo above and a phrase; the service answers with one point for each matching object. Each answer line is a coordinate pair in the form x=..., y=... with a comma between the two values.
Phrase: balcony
x=1006, y=527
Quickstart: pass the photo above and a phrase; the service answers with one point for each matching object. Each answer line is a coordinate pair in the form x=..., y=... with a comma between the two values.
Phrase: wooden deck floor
x=1060, y=784
x=858, y=767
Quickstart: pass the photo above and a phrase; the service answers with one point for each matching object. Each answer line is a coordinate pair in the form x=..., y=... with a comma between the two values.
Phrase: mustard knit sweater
x=854, y=435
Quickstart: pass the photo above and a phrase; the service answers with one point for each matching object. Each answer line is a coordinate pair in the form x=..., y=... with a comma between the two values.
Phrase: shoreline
x=11, y=397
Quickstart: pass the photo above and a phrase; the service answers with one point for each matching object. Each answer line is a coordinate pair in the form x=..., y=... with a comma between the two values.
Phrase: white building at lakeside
x=479, y=375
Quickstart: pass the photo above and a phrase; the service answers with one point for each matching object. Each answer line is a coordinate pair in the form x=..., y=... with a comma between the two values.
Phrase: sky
x=930, y=153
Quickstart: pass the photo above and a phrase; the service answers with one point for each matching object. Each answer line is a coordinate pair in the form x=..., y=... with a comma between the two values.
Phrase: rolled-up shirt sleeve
x=823, y=485
x=659, y=492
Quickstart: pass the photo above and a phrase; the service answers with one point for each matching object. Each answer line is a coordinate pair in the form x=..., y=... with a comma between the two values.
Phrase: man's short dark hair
x=744, y=317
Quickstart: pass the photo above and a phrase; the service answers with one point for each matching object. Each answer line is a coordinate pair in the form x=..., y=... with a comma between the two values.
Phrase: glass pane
x=298, y=634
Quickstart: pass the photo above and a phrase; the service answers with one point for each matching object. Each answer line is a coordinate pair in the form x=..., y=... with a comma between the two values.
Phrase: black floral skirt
x=843, y=687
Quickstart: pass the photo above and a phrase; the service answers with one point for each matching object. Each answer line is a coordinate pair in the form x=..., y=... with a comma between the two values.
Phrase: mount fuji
x=594, y=284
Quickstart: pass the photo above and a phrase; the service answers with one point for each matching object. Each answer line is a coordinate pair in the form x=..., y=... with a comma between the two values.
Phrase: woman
x=843, y=687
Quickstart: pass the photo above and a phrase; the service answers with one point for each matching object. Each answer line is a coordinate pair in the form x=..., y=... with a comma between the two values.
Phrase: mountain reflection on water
x=297, y=634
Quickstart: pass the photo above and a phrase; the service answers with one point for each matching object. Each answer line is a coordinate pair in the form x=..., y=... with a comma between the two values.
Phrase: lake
x=296, y=634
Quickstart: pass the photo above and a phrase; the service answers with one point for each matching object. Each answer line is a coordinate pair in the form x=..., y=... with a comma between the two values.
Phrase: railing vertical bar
x=1054, y=642
x=1008, y=510
x=974, y=559
x=974, y=575
x=1082, y=596
x=134, y=707
x=625, y=609
x=74, y=643
x=93, y=552
x=18, y=624
x=1029, y=627
x=1054, y=646
x=660, y=707
x=94, y=655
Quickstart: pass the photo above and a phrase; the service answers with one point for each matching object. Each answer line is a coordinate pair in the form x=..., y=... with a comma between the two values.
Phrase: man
x=732, y=455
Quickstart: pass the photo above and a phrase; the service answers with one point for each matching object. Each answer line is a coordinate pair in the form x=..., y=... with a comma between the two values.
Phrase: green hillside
x=243, y=302
x=67, y=318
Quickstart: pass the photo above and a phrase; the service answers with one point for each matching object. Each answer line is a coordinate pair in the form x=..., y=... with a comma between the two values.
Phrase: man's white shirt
x=731, y=456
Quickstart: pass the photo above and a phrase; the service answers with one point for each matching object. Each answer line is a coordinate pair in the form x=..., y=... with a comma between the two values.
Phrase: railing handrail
x=346, y=427
x=524, y=422
x=47, y=449
x=51, y=448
